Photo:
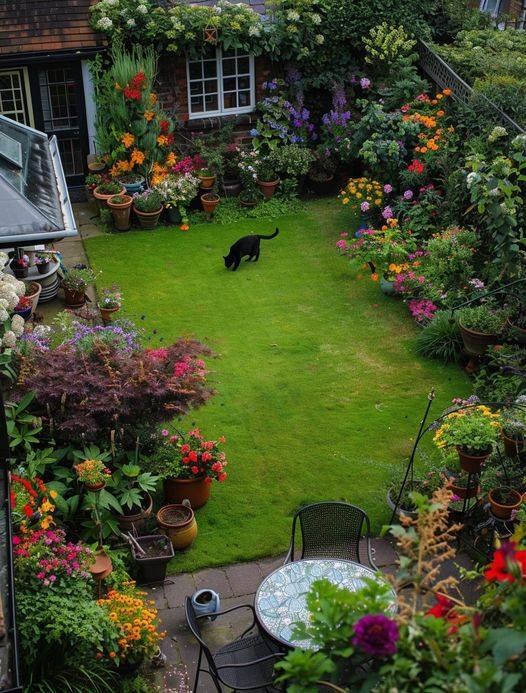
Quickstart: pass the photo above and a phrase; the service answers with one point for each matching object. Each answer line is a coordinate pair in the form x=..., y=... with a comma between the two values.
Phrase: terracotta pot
x=210, y=202
x=471, y=463
x=178, y=523
x=268, y=188
x=197, y=491
x=74, y=299
x=477, y=343
x=35, y=289
x=102, y=198
x=128, y=522
x=102, y=565
x=121, y=212
x=107, y=314
x=148, y=220
x=463, y=492
x=518, y=333
x=207, y=181
x=95, y=487
x=512, y=447
x=503, y=512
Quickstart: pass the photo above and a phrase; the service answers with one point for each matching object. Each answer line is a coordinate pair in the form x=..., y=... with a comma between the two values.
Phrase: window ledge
x=213, y=122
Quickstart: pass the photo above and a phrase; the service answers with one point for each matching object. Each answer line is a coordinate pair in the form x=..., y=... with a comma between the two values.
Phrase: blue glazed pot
x=364, y=221
x=387, y=286
x=26, y=314
x=206, y=602
x=132, y=188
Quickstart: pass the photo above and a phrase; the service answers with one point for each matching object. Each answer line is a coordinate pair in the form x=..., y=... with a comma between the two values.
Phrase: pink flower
x=165, y=433
x=388, y=188
x=16, y=540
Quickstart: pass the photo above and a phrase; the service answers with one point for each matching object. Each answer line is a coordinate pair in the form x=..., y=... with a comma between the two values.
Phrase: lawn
x=319, y=392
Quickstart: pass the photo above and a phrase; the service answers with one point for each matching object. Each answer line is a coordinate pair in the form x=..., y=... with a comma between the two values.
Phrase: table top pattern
x=281, y=598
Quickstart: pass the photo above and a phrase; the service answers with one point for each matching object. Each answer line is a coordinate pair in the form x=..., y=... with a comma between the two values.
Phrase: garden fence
x=441, y=73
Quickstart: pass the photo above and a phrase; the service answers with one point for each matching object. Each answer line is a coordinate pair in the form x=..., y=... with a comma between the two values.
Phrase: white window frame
x=222, y=111
x=27, y=107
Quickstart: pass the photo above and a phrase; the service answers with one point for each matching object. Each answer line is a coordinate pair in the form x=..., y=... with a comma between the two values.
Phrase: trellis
x=441, y=73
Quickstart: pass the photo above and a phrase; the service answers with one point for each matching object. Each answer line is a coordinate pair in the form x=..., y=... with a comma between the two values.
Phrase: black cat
x=248, y=245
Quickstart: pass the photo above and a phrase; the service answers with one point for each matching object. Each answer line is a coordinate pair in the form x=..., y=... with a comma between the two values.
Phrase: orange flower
x=184, y=227
x=440, y=113
x=374, y=277
x=137, y=157
x=447, y=91
x=171, y=159
x=423, y=150
x=128, y=139
x=162, y=140
x=153, y=98
x=149, y=115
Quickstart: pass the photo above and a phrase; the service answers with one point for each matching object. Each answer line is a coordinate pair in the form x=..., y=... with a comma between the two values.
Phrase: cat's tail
x=267, y=238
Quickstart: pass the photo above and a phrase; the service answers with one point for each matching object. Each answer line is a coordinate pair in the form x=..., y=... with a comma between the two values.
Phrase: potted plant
x=42, y=263
x=120, y=207
x=75, y=283
x=148, y=206
x=93, y=474
x=473, y=431
x=133, y=182
x=24, y=307
x=462, y=489
x=177, y=191
x=514, y=427
x=210, y=201
x=250, y=197
x=20, y=266
x=188, y=464
x=109, y=303
x=96, y=165
x=481, y=326
x=503, y=501
x=104, y=191
x=231, y=184
x=151, y=554
x=92, y=181
x=267, y=179
x=206, y=177
x=33, y=290
x=321, y=173
x=131, y=488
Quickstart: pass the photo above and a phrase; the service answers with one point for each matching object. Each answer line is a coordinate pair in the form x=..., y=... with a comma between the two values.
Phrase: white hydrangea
x=472, y=178
x=254, y=31
x=111, y=3
x=17, y=325
x=316, y=19
x=494, y=192
x=41, y=331
x=293, y=15
x=131, y=22
x=142, y=9
x=9, y=339
x=3, y=259
x=104, y=23
x=4, y=315
x=320, y=38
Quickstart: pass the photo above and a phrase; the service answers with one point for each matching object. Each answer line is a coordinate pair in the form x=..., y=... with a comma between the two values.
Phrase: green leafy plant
x=148, y=201
x=130, y=486
x=110, y=188
x=440, y=339
x=474, y=429
x=23, y=427
x=78, y=279
x=484, y=318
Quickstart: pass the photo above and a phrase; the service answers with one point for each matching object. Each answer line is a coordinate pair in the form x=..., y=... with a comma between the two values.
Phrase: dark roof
x=257, y=5
x=28, y=26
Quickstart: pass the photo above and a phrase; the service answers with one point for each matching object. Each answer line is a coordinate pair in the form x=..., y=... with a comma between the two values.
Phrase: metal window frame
x=222, y=111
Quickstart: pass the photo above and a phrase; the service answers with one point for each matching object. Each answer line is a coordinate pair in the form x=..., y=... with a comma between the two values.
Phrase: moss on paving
x=319, y=391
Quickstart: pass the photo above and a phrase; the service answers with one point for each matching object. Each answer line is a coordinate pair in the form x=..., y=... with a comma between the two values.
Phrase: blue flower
x=254, y=133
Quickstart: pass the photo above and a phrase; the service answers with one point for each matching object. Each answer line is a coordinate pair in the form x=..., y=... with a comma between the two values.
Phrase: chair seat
x=242, y=651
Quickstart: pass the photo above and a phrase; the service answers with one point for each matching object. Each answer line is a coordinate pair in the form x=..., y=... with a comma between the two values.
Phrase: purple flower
x=476, y=283
x=365, y=83
x=388, y=188
x=365, y=206
x=387, y=213
x=376, y=635
x=408, y=194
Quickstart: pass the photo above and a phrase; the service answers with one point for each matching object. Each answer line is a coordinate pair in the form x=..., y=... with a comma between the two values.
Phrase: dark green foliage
x=440, y=339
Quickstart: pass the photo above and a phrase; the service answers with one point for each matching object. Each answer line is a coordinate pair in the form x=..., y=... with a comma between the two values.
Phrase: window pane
x=196, y=88
x=71, y=156
x=211, y=86
x=229, y=67
x=229, y=84
x=229, y=100
x=243, y=65
x=195, y=70
x=243, y=82
x=210, y=68
x=244, y=99
x=211, y=103
x=196, y=104
x=231, y=53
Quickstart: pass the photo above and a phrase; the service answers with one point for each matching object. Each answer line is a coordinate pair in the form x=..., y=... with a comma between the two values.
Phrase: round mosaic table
x=281, y=598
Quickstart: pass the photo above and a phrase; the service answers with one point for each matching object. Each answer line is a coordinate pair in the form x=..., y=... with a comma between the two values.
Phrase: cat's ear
x=225, y=257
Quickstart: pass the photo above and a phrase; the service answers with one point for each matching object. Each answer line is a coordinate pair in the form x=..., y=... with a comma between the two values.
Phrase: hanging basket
x=210, y=34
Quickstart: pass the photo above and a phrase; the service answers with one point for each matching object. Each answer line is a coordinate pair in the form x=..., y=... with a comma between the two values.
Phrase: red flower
x=165, y=126
x=28, y=510
x=507, y=564
x=441, y=608
x=138, y=81
x=132, y=94
x=194, y=470
x=185, y=448
x=416, y=166
x=192, y=456
x=221, y=476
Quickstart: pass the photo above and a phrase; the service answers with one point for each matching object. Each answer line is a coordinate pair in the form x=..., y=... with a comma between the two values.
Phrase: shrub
x=291, y=161
x=483, y=318
x=440, y=339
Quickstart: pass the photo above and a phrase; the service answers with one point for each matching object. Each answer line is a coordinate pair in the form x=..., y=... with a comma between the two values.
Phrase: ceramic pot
x=102, y=566
x=197, y=491
x=268, y=188
x=477, y=343
x=471, y=463
x=207, y=182
x=43, y=267
x=148, y=220
x=386, y=286
x=518, y=334
x=74, y=299
x=178, y=523
x=26, y=313
x=96, y=166
x=152, y=568
x=132, y=188
x=137, y=520
x=231, y=187
x=107, y=314
x=173, y=215
x=93, y=488
x=391, y=502
x=503, y=512
x=19, y=272
x=206, y=603
x=512, y=447
x=210, y=202
x=35, y=290
x=121, y=212
x=102, y=198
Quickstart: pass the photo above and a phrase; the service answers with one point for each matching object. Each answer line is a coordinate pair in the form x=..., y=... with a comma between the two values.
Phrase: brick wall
x=173, y=97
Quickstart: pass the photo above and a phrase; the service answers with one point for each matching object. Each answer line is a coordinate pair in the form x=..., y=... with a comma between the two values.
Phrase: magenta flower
x=376, y=635
x=387, y=213
x=365, y=206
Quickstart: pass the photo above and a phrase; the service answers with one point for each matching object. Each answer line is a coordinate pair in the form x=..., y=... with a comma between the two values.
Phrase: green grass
x=319, y=390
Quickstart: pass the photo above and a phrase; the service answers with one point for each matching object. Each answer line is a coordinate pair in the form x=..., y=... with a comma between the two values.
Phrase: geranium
x=376, y=635
x=446, y=609
x=191, y=455
x=508, y=565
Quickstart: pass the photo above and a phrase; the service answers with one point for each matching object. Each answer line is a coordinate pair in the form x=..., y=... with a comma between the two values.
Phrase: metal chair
x=245, y=664
x=330, y=530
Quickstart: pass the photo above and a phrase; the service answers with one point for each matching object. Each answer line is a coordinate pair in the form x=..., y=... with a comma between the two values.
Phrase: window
x=13, y=96
x=221, y=82
x=58, y=91
x=491, y=7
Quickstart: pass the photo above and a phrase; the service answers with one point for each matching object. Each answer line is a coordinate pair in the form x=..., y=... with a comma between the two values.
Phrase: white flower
x=42, y=330
x=9, y=339
x=293, y=15
x=104, y=23
x=254, y=31
x=320, y=38
x=112, y=3
x=3, y=259
x=17, y=325
x=316, y=19
x=494, y=192
x=142, y=9
x=130, y=22
x=472, y=177
x=4, y=315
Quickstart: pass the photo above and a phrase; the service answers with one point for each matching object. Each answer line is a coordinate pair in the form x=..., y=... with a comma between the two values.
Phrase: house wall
x=173, y=97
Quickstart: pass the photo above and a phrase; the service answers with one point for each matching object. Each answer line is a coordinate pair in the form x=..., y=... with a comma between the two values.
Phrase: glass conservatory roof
x=34, y=201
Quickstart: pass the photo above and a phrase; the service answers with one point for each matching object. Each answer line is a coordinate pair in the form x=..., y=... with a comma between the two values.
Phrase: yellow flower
x=345, y=201
x=153, y=98
x=149, y=115
x=162, y=140
x=53, y=494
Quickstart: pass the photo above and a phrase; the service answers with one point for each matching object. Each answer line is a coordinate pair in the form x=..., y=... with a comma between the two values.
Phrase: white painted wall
x=91, y=108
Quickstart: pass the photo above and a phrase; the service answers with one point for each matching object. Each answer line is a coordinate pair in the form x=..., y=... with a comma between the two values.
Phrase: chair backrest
x=330, y=530
x=193, y=624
